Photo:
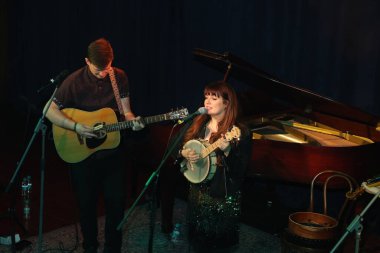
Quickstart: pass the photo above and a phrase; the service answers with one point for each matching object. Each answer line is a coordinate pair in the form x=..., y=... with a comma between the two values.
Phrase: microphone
x=59, y=77
x=200, y=110
x=55, y=81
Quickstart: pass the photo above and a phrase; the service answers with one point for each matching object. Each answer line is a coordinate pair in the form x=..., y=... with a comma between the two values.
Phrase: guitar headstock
x=178, y=114
x=234, y=133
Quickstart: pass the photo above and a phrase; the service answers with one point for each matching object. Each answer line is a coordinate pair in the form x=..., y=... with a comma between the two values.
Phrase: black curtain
x=329, y=47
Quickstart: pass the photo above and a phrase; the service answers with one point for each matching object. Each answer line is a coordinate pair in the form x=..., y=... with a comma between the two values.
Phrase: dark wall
x=329, y=47
x=3, y=48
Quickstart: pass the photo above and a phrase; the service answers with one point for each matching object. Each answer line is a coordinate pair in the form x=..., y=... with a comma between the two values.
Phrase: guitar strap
x=111, y=73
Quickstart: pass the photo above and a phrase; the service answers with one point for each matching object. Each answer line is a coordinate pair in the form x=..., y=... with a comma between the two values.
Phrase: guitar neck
x=129, y=123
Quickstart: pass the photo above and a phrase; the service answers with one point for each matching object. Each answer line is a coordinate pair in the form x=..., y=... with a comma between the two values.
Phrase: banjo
x=204, y=169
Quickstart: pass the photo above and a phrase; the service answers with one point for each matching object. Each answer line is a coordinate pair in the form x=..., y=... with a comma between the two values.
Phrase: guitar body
x=204, y=169
x=73, y=148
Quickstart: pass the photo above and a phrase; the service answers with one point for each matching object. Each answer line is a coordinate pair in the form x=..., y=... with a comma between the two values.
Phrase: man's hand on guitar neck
x=138, y=124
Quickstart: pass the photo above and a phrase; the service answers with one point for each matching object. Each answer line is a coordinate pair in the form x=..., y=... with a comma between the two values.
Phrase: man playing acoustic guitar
x=91, y=88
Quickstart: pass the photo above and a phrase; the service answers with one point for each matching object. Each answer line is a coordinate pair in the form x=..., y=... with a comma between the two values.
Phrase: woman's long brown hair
x=219, y=89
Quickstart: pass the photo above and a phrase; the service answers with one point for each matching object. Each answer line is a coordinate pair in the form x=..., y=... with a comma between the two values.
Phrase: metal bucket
x=291, y=243
x=317, y=226
x=313, y=225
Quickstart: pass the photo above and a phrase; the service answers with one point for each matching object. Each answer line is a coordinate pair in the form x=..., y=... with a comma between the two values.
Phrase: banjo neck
x=210, y=148
x=234, y=133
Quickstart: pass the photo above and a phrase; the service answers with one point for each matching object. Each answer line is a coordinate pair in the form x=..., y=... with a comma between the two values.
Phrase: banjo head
x=199, y=171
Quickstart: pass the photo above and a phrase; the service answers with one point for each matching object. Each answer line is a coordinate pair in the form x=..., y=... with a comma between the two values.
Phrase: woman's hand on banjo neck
x=224, y=145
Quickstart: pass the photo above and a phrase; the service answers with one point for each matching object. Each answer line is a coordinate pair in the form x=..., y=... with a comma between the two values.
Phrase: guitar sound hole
x=101, y=136
x=95, y=142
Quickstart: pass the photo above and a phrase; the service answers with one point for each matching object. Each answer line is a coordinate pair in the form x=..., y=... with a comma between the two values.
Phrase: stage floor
x=137, y=231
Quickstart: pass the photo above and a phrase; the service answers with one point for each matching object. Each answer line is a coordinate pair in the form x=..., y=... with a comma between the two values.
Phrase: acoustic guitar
x=73, y=148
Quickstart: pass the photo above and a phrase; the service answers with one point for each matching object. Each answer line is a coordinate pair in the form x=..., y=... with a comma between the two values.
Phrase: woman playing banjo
x=215, y=154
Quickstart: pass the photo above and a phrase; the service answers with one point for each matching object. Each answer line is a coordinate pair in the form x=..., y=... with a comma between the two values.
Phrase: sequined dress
x=213, y=222
x=214, y=206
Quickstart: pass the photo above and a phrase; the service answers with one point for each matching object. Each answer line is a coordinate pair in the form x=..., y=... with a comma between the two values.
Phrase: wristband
x=75, y=126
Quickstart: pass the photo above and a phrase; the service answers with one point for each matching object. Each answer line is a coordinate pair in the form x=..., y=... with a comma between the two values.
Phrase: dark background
x=329, y=47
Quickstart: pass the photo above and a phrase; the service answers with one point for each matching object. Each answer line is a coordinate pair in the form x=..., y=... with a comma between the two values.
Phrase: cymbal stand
x=356, y=225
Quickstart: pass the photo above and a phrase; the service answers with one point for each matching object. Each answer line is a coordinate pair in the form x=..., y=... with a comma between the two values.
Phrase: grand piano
x=297, y=133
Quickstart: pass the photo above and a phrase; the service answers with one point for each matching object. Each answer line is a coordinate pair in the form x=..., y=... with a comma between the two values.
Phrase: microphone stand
x=154, y=175
x=39, y=127
x=357, y=226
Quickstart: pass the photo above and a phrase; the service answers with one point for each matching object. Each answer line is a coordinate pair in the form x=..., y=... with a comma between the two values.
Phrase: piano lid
x=288, y=94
